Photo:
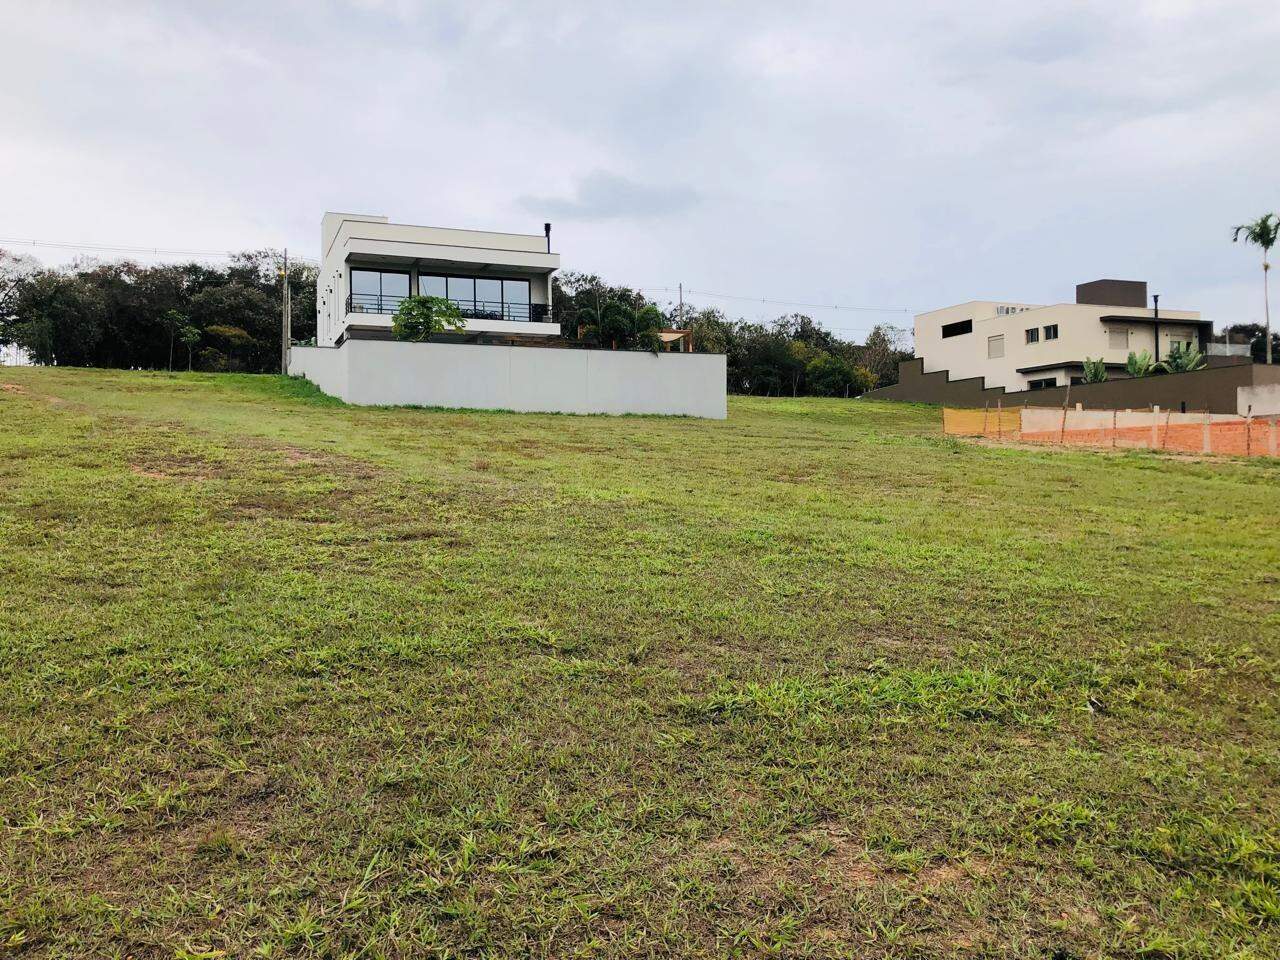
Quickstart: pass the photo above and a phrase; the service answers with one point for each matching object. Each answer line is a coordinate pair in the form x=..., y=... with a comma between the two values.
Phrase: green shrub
x=1182, y=359
x=419, y=318
x=1139, y=364
x=1095, y=371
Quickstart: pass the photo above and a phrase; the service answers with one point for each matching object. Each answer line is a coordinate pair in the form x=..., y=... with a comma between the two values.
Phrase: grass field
x=280, y=677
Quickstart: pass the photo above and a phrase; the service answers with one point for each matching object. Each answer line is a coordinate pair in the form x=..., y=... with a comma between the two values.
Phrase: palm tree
x=1263, y=233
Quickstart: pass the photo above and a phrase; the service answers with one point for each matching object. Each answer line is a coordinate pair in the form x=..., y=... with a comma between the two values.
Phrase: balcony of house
x=489, y=304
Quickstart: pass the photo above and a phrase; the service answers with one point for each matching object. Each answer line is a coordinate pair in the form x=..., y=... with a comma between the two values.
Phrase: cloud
x=895, y=155
x=601, y=195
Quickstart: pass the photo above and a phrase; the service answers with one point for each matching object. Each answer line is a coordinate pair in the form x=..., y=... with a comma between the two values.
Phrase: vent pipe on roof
x=546, y=228
x=1155, y=298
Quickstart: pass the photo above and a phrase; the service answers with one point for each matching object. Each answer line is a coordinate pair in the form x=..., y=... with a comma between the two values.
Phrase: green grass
x=282, y=677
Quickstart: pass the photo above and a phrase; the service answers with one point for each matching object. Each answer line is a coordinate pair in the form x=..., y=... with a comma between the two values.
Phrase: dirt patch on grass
x=187, y=468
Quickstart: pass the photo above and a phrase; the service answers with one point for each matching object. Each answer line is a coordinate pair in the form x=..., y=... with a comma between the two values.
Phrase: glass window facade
x=377, y=291
x=483, y=297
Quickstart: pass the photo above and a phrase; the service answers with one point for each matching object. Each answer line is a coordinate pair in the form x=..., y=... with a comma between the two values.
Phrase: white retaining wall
x=525, y=379
x=1262, y=400
x=1047, y=419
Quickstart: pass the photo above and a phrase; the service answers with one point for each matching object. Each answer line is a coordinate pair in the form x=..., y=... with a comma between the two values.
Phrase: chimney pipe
x=546, y=228
x=1155, y=297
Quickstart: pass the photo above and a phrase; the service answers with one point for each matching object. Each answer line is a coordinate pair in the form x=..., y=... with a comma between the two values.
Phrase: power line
x=157, y=251
x=795, y=303
x=786, y=303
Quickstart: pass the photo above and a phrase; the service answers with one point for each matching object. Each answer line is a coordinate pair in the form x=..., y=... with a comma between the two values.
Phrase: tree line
x=789, y=356
x=199, y=316
x=189, y=316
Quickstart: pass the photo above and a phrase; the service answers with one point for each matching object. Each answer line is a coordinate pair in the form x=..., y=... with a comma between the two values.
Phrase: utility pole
x=284, y=314
x=681, y=285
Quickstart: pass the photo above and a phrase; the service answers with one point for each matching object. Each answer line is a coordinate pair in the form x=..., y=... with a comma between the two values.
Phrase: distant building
x=11, y=355
x=1027, y=346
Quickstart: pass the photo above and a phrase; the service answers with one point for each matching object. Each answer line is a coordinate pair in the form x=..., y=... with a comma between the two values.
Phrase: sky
x=898, y=156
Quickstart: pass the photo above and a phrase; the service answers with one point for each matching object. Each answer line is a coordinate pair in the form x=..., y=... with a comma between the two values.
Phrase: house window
x=957, y=329
x=1042, y=384
x=486, y=298
x=1118, y=338
x=1051, y=332
x=377, y=291
x=1033, y=335
x=995, y=347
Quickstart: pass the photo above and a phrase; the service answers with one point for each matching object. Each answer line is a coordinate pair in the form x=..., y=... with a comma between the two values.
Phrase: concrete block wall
x=525, y=379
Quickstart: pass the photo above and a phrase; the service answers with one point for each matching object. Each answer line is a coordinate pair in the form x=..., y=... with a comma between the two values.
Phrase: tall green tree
x=1262, y=233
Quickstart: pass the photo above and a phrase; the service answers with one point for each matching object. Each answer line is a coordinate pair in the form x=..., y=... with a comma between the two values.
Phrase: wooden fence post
x=1206, y=444
x=985, y=405
x=1115, y=416
x=999, y=422
x=1248, y=431
x=1155, y=426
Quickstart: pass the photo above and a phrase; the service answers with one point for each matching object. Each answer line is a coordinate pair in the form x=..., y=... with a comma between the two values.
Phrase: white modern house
x=511, y=355
x=1028, y=346
x=500, y=281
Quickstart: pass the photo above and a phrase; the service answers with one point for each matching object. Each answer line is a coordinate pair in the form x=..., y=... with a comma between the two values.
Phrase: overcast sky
x=891, y=155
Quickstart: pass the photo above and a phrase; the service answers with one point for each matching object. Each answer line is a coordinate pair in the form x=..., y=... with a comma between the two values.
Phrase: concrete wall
x=526, y=379
x=1262, y=399
x=1215, y=388
x=1081, y=335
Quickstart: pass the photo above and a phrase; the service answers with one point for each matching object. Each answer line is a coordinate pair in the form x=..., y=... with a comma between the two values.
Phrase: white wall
x=1262, y=398
x=526, y=379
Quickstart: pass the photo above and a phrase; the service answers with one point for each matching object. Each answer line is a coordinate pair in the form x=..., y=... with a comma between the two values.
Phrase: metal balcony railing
x=471, y=309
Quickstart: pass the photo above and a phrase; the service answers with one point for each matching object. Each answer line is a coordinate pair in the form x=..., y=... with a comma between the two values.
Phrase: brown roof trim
x=1064, y=364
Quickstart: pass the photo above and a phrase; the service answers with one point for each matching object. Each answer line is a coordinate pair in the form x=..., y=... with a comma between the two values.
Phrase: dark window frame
x=1043, y=383
x=380, y=295
x=1054, y=334
x=955, y=329
x=1033, y=334
x=527, y=305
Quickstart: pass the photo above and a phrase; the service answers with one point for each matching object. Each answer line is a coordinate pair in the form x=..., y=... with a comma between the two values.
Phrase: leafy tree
x=1095, y=371
x=1182, y=359
x=55, y=319
x=419, y=318
x=1139, y=364
x=880, y=356
x=829, y=375
x=190, y=336
x=712, y=330
x=174, y=322
x=234, y=337
x=248, y=309
x=1262, y=233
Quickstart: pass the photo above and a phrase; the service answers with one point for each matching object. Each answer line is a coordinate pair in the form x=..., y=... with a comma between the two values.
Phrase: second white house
x=1029, y=346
